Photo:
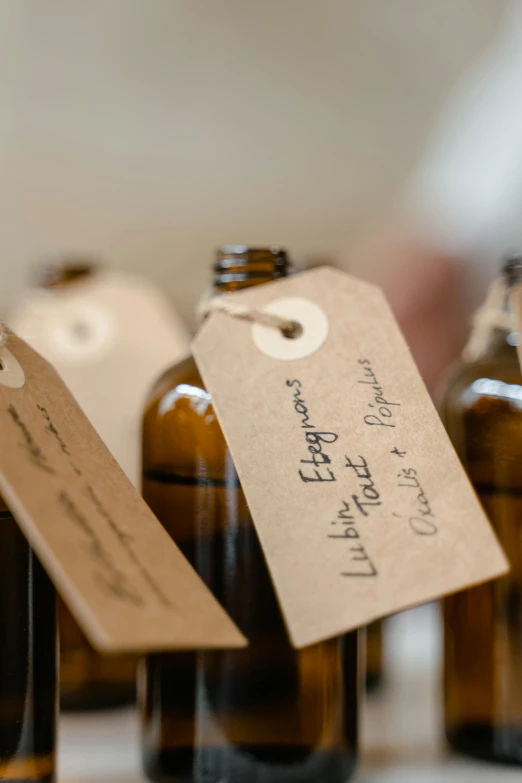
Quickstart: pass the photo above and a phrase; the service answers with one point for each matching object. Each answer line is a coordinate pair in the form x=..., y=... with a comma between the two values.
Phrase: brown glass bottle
x=28, y=660
x=268, y=713
x=88, y=680
x=483, y=626
x=374, y=656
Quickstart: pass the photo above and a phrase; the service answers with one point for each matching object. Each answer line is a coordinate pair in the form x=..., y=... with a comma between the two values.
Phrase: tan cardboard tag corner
x=359, y=500
x=122, y=576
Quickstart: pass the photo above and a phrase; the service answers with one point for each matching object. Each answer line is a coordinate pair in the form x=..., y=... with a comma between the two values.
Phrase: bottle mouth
x=61, y=273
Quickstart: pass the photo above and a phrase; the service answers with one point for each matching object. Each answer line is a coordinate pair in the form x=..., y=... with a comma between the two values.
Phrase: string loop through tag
x=223, y=304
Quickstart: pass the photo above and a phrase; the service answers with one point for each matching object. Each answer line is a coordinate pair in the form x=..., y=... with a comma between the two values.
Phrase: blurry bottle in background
x=374, y=656
x=28, y=660
x=108, y=334
x=88, y=680
x=483, y=626
x=268, y=713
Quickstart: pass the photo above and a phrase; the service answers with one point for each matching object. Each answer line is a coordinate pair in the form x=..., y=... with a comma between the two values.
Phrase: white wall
x=152, y=130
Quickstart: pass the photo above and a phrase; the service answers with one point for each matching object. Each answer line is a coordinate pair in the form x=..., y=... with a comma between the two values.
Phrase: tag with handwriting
x=123, y=578
x=359, y=500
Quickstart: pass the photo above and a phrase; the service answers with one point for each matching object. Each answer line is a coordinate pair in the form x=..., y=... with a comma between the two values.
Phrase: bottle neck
x=237, y=267
x=504, y=340
x=512, y=274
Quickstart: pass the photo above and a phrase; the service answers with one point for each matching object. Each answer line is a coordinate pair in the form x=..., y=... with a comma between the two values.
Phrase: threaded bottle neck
x=240, y=266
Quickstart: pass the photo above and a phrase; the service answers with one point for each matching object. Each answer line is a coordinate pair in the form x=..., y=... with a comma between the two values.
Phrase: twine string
x=491, y=315
x=223, y=304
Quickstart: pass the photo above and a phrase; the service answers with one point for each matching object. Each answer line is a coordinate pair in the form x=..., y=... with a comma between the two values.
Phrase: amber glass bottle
x=268, y=713
x=483, y=626
x=374, y=656
x=88, y=681
x=28, y=660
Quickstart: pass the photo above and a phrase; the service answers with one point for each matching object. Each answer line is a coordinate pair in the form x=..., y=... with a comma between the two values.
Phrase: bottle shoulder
x=482, y=413
x=184, y=372
x=180, y=429
x=492, y=376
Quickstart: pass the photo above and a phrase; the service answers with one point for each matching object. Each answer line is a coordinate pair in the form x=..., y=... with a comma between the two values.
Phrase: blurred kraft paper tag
x=359, y=500
x=110, y=337
x=123, y=578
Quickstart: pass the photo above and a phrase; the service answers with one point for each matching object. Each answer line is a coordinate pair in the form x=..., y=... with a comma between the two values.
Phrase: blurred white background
x=149, y=131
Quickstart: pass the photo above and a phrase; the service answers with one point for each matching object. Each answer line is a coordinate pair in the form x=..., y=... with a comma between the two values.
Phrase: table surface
x=401, y=737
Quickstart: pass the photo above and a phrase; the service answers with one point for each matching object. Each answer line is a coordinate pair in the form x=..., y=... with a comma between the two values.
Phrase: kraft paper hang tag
x=110, y=336
x=123, y=578
x=359, y=500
